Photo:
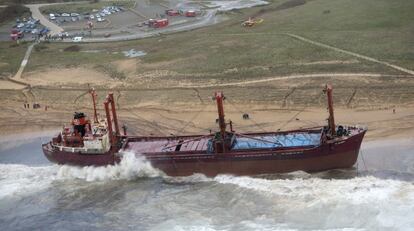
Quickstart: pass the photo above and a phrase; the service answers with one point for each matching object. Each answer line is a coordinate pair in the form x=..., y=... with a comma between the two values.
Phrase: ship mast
x=110, y=101
x=331, y=120
x=222, y=123
x=108, y=120
x=93, y=94
x=115, y=117
x=223, y=140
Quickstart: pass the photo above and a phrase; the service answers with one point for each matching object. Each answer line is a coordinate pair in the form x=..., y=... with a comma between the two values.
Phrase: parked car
x=44, y=31
x=35, y=31
x=91, y=16
x=101, y=19
x=20, y=25
x=77, y=39
x=74, y=14
x=74, y=19
x=65, y=15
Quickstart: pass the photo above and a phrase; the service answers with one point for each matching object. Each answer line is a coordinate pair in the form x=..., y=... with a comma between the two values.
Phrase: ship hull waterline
x=330, y=155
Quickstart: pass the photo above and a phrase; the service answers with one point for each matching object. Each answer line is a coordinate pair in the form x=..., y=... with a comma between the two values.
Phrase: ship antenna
x=93, y=94
x=331, y=120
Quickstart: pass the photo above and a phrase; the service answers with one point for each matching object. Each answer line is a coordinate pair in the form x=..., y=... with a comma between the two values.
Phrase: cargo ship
x=101, y=142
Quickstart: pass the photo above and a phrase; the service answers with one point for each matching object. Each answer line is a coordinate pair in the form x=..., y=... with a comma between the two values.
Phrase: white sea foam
x=131, y=166
x=366, y=202
x=195, y=178
x=356, y=190
x=17, y=179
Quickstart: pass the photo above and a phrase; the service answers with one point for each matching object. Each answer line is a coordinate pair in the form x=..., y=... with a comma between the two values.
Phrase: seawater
x=35, y=195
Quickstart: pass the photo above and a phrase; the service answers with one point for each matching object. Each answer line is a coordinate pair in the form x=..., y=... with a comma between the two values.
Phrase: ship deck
x=202, y=144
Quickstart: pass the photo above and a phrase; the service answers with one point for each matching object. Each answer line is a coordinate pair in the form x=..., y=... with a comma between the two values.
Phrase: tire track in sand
x=402, y=69
x=289, y=77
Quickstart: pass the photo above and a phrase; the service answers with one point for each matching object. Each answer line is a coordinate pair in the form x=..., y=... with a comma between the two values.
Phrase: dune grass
x=378, y=28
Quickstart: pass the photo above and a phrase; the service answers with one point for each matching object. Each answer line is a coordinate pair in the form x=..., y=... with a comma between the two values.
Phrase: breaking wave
x=130, y=167
x=18, y=179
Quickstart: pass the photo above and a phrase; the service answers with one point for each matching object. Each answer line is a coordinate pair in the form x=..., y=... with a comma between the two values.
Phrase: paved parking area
x=130, y=23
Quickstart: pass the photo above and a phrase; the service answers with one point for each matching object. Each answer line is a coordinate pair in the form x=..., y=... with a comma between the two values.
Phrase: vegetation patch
x=286, y=5
x=12, y=12
x=112, y=71
x=74, y=48
x=40, y=47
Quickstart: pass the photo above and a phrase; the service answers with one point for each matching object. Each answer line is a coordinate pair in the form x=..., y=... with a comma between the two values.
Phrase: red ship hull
x=224, y=152
x=328, y=155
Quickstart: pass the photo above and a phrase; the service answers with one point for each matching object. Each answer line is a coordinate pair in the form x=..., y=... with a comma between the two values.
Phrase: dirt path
x=289, y=77
x=34, y=8
x=18, y=75
x=402, y=69
x=303, y=39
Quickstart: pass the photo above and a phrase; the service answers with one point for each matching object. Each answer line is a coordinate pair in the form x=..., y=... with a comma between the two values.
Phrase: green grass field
x=381, y=29
x=11, y=56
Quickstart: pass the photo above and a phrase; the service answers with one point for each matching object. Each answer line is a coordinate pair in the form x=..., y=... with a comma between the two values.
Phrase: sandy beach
x=178, y=119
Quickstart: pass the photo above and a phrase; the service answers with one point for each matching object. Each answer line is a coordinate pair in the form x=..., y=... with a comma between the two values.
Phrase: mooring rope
x=300, y=111
x=242, y=112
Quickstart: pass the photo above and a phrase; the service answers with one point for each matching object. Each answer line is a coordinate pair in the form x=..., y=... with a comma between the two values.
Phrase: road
x=208, y=19
x=34, y=8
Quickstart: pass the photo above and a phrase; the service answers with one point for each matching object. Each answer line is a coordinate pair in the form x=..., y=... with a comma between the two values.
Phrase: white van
x=77, y=39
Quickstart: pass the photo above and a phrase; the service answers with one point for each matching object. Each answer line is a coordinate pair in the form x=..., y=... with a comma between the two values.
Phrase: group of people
x=34, y=106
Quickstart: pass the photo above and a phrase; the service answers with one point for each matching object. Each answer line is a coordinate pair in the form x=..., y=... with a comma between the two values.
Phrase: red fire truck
x=171, y=12
x=16, y=34
x=158, y=23
x=190, y=13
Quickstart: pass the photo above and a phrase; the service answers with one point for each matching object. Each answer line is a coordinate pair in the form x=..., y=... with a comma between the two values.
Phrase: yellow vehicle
x=251, y=22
